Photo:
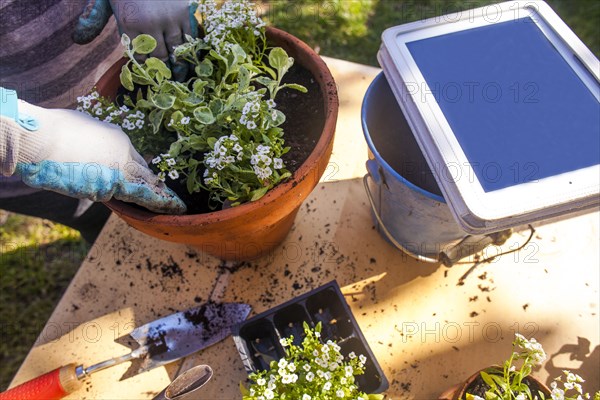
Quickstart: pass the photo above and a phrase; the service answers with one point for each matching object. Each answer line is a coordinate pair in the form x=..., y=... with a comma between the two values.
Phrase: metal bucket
x=407, y=205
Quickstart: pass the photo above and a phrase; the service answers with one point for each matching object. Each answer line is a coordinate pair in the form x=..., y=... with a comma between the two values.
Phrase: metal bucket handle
x=385, y=230
x=474, y=243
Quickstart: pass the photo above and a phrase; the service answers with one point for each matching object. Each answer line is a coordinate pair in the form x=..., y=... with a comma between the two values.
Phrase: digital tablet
x=504, y=101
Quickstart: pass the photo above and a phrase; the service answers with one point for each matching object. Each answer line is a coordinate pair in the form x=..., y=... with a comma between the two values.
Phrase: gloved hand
x=74, y=154
x=168, y=21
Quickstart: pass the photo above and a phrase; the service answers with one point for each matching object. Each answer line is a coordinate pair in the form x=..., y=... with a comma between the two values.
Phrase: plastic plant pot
x=325, y=304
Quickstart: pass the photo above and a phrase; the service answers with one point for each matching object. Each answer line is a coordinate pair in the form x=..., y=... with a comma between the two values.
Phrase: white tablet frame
x=476, y=210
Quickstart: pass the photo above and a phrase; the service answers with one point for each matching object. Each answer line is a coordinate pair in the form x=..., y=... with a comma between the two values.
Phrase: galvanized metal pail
x=407, y=205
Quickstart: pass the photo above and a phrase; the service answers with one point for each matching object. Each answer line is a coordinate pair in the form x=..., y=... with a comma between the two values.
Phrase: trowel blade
x=187, y=332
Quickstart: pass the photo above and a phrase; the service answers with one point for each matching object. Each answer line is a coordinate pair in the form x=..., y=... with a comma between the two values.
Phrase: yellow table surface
x=426, y=331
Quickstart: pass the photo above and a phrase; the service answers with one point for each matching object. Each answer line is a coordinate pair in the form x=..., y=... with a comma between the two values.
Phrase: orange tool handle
x=51, y=386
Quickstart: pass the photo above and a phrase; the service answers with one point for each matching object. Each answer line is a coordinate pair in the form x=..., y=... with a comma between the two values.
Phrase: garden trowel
x=160, y=342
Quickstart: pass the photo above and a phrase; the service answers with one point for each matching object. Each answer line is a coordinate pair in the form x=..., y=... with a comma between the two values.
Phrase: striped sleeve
x=39, y=59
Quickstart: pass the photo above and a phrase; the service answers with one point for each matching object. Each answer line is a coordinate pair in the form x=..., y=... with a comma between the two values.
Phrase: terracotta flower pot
x=255, y=228
x=459, y=391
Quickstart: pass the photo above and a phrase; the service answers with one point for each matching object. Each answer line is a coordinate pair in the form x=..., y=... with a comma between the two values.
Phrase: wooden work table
x=426, y=330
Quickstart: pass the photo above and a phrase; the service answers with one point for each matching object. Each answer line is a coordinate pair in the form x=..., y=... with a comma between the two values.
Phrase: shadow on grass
x=32, y=280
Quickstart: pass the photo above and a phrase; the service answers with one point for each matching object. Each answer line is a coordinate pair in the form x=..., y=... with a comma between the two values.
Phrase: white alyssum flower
x=348, y=370
x=173, y=174
x=289, y=378
x=269, y=394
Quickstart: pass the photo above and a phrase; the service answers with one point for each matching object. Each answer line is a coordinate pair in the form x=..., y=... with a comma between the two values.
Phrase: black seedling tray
x=257, y=339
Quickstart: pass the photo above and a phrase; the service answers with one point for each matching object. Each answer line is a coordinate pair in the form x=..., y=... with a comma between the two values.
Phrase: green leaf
x=266, y=82
x=198, y=143
x=279, y=60
x=270, y=71
x=144, y=44
x=285, y=175
x=164, y=101
x=243, y=390
x=216, y=106
x=254, y=68
x=270, y=84
x=159, y=66
x=258, y=193
x=279, y=118
x=141, y=80
x=144, y=104
x=488, y=379
x=211, y=142
x=156, y=117
x=176, y=117
x=175, y=148
x=191, y=183
x=204, y=115
x=198, y=86
x=238, y=53
x=243, y=78
x=192, y=100
x=205, y=68
x=125, y=77
x=217, y=56
x=295, y=86
x=499, y=380
x=125, y=41
x=266, y=140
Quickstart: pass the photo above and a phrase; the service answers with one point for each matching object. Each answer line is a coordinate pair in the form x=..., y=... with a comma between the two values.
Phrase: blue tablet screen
x=518, y=110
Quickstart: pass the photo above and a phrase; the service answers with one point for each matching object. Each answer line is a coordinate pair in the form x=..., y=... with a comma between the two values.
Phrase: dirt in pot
x=478, y=387
x=305, y=116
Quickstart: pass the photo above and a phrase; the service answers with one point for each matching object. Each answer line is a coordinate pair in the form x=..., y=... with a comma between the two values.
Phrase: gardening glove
x=167, y=21
x=71, y=153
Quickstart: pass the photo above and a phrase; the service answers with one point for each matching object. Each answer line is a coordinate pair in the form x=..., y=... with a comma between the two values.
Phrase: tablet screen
x=516, y=107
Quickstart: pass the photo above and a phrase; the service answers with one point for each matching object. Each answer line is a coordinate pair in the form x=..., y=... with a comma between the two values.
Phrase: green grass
x=38, y=258
x=37, y=261
x=351, y=29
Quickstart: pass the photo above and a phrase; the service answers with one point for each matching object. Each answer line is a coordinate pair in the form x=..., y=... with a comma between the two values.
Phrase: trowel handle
x=50, y=386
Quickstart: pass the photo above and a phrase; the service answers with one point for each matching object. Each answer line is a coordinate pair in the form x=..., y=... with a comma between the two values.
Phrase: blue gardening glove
x=74, y=154
x=168, y=21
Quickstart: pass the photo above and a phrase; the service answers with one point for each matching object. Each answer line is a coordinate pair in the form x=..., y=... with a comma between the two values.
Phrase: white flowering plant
x=509, y=382
x=311, y=371
x=220, y=129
